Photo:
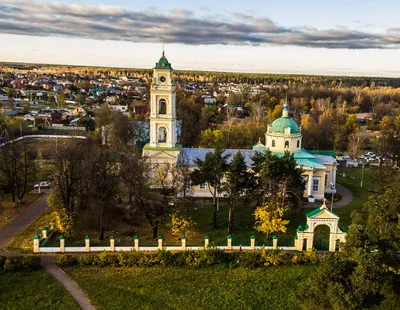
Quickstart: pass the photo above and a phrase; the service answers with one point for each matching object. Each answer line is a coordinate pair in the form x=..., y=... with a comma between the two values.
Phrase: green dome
x=279, y=125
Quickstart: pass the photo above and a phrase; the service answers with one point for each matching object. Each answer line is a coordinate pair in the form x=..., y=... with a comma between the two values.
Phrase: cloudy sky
x=286, y=36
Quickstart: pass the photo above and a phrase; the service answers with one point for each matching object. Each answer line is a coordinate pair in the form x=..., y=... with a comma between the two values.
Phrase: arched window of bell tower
x=298, y=143
x=273, y=143
x=286, y=144
x=162, y=106
x=162, y=134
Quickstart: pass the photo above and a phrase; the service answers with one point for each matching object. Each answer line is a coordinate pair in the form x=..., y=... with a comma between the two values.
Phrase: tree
x=237, y=184
x=211, y=171
x=17, y=168
x=278, y=178
x=269, y=218
x=61, y=100
x=104, y=175
x=182, y=225
x=390, y=137
x=137, y=177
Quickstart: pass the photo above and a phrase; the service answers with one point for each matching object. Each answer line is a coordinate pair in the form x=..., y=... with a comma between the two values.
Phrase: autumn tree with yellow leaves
x=269, y=218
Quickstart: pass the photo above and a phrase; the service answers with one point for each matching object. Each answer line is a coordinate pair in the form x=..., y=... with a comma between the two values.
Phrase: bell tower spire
x=163, y=106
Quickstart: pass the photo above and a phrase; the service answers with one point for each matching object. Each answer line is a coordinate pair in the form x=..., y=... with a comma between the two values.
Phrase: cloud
x=179, y=25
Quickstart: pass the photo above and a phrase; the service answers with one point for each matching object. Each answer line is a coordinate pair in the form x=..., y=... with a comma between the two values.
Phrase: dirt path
x=15, y=227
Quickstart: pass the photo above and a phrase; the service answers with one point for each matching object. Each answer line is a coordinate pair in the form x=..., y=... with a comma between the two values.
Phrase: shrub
x=211, y=256
x=13, y=263
x=310, y=257
x=105, y=259
x=128, y=259
x=2, y=261
x=86, y=260
x=250, y=259
x=66, y=260
x=31, y=262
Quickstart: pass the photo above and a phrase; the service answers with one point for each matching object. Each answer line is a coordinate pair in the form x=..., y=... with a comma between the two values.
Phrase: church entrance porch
x=321, y=231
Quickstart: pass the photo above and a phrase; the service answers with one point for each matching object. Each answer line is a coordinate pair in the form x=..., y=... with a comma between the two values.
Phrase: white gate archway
x=320, y=216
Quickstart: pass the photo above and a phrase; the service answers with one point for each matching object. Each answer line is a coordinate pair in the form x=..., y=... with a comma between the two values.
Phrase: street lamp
x=333, y=192
x=362, y=175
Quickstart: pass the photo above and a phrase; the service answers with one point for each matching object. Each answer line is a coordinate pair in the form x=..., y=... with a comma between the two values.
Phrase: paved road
x=347, y=197
x=14, y=228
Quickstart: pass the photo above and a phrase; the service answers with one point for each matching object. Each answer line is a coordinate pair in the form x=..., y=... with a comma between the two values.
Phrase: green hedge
x=202, y=258
x=12, y=263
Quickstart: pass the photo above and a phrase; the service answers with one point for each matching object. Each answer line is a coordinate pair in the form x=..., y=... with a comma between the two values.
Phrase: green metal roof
x=324, y=152
x=279, y=125
x=163, y=63
x=314, y=212
x=303, y=158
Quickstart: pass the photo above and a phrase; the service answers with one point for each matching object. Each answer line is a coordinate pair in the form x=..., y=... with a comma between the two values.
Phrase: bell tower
x=163, y=106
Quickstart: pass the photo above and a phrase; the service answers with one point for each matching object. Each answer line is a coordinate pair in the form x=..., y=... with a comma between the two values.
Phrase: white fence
x=43, y=137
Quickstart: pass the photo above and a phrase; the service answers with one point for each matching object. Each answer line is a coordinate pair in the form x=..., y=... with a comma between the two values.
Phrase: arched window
x=162, y=134
x=298, y=143
x=162, y=106
x=286, y=144
x=273, y=143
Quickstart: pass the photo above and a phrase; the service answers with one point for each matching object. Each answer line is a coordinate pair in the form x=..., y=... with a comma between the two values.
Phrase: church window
x=315, y=187
x=162, y=106
x=273, y=143
x=298, y=143
x=326, y=178
x=162, y=134
x=286, y=144
x=203, y=186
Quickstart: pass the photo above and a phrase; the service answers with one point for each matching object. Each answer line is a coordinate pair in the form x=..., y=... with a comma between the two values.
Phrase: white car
x=28, y=117
x=44, y=184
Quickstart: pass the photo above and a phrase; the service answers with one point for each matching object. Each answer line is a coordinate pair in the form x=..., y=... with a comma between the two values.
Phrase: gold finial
x=324, y=203
x=163, y=53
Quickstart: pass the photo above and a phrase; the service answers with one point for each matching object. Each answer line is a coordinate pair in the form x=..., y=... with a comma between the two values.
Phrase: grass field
x=33, y=290
x=352, y=181
x=189, y=288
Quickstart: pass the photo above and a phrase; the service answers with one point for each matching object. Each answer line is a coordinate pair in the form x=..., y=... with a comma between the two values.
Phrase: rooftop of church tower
x=279, y=125
x=163, y=63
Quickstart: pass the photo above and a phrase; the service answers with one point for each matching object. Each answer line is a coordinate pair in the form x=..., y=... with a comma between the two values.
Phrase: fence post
x=206, y=241
x=36, y=240
x=275, y=242
x=252, y=242
x=229, y=239
x=44, y=232
x=296, y=243
x=87, y=243
x=62, y=244
x=160, y=242
x=183, y=239
x=112, y=244
x=137, y=243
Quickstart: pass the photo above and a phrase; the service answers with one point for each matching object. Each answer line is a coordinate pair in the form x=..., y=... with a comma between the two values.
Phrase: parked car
x=44, y=184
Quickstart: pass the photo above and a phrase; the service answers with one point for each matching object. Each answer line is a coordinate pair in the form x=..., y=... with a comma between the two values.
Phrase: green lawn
x=189, y=288
x=352, y=181
x=33, y=290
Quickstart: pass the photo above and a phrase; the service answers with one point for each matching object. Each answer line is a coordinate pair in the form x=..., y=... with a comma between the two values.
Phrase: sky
x=287, y=36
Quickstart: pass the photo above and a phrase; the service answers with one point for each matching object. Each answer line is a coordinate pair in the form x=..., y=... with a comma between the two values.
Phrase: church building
x=282, y=135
